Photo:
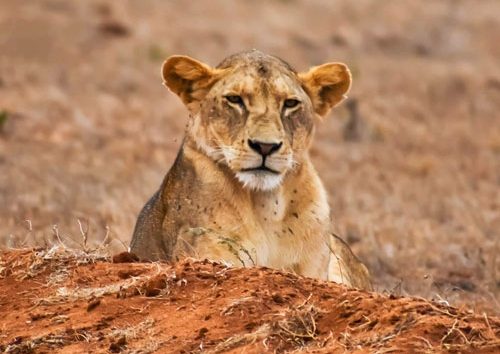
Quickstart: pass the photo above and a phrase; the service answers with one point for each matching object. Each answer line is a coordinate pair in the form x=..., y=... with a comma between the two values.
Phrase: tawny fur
x=214, y=204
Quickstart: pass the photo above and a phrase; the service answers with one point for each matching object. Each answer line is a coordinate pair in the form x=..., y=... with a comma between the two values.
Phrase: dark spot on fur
x=296, y=215
x=291, y=231
x=263, y=70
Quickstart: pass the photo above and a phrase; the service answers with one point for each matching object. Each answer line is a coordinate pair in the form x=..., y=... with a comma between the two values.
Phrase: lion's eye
x=235, y=99
x=291, y=103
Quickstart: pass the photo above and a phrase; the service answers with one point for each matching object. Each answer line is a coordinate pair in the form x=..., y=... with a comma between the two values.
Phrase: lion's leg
x=214, y=245
x=345, y=267
x=315, y=266
x=147, y=239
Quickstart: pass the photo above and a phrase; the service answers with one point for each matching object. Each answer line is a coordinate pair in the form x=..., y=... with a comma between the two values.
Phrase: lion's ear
x=326, y=85
x=189, y=79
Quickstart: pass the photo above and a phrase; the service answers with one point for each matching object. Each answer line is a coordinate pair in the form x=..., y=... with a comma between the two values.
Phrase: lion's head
x=253, y=112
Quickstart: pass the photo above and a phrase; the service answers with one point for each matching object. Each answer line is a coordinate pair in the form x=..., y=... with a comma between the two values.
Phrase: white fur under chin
x=259, y=180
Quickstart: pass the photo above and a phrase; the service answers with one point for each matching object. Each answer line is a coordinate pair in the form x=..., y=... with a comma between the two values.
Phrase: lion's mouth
x=261, y=168
x=260, y=178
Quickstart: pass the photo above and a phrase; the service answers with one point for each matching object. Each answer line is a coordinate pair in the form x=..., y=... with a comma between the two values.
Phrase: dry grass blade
x=260, y=333
x=299, y=326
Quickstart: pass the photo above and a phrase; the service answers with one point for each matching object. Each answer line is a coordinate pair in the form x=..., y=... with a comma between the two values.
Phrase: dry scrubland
x=411, y=162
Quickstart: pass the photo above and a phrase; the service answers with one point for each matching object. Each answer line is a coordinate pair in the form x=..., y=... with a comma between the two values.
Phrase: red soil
x=66, y=301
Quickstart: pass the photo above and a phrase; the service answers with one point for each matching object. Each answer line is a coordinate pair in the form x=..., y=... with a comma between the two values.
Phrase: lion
x=243, y=190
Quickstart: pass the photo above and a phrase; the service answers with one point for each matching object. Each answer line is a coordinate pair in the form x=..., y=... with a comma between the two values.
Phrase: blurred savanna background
x=411, y=160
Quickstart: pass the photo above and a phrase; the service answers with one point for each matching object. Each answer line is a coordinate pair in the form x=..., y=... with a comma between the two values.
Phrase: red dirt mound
x=67, y=301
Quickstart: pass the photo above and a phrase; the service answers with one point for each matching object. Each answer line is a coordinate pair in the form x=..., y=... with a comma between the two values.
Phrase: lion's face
x=253, y=113
x=258, y=120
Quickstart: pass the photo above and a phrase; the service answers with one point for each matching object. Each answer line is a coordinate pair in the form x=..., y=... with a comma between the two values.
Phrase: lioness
x=243, y=189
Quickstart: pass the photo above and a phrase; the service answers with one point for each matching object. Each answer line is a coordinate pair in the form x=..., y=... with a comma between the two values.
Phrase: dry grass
x=235, y=341
x=42, y=259
x=379, y=339
x=295, y=327
x=122, y=339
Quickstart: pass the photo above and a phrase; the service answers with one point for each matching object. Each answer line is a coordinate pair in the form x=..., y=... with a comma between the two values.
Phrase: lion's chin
x=259, y=180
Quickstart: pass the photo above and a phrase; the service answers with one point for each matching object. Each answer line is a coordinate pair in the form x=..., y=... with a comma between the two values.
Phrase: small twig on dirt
x=454, y=328
x=435, y=308
x=488, y=323
x=131, y=331
x=30, y=225
x=59, y=319
x=141, y=309
x=305, y=301
x=363, y=325
x=441, y=300
x=447, y=313
x=346, y=341
x=29, y=345
x=386, y=350
x=323, y=342
x=229, y=308
x=24, y=242
x=309, y=327
x=105, y=239
x=397, y=289
x=125, y=247
x=84, y=233
x=378, y=340
x=55, y=231
x=262, y=332
x=265, y=343
x=297, y=327
x=424, y=340
x=467, y=341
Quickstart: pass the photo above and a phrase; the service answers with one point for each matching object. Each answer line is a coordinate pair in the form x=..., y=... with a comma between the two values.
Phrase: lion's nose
x=264, y=149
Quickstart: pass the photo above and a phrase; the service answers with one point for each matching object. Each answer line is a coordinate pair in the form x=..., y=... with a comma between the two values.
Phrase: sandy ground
x=411, y=162
x=54, y=300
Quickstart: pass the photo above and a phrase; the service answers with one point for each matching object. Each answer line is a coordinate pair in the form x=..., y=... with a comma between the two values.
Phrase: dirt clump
x=62, y=300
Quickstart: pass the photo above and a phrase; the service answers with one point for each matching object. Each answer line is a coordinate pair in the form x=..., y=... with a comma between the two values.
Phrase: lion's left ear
x=326, y=85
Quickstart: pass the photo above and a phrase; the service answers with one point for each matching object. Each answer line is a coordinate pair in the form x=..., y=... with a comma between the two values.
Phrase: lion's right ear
x=189, y=79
